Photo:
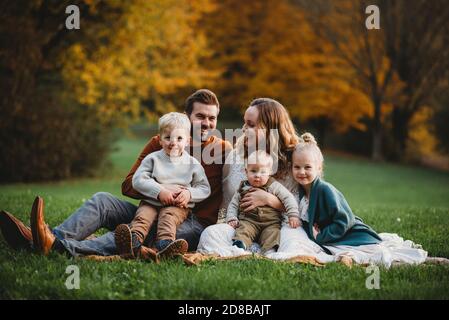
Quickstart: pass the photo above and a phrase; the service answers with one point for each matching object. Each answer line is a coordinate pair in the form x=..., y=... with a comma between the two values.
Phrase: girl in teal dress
x=325, y=213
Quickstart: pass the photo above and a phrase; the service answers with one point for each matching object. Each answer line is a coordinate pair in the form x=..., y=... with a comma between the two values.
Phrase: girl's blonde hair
x=308, y=143
x=274, y=116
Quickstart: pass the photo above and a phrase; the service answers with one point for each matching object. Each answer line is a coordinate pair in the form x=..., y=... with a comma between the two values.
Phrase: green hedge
x=51, y=141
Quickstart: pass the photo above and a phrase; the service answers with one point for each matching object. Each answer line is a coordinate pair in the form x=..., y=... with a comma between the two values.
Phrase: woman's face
x=253, y=132
x=251, y=118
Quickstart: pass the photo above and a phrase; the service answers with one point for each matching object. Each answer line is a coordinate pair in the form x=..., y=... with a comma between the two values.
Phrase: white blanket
x=217, y=239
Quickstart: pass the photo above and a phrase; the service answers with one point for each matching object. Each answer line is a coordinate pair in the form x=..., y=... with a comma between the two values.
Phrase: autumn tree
x=416, y=37
x=342, y=24
x=63, y=90
x=267, y=48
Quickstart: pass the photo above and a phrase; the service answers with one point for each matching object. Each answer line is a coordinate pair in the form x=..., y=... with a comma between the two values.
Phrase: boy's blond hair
x=174, y=120
x=259, y=157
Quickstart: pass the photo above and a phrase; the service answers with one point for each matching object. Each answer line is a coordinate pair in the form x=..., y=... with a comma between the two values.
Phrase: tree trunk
x=376, y=151
x=401, y=120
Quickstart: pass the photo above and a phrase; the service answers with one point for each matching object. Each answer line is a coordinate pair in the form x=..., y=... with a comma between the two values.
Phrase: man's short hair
x=174, y=120
x=203, y=96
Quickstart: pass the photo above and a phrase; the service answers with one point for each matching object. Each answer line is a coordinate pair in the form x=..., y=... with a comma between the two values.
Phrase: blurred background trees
x=382, y=93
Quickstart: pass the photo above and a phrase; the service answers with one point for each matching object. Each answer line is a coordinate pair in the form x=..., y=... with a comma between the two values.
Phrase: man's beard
x=198, y=135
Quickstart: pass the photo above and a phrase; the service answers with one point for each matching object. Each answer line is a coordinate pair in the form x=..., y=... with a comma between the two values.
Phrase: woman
x=268, y=126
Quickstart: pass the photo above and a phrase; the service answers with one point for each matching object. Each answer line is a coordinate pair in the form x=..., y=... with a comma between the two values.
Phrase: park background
x=77, y=106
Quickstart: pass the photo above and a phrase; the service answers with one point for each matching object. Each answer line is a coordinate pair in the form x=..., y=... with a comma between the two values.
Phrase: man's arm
x=127, y=185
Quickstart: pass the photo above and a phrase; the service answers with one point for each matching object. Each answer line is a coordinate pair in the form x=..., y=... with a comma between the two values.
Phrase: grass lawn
x=410, y=201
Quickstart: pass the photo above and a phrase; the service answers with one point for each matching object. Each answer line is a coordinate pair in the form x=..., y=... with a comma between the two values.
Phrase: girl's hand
x=316, y=230
x=234, y=223
x=183, y=199
x=294, y=222
x=166, y=197
x=259, y=198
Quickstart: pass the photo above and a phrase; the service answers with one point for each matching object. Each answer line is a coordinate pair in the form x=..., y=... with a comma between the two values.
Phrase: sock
x=162, y=244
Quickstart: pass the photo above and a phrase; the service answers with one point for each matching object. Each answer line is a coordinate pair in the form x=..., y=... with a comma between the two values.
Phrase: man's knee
x=102, y=197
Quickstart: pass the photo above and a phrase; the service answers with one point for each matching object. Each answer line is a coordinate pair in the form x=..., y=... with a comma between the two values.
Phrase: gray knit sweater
x=158, y=168
x=277, y=189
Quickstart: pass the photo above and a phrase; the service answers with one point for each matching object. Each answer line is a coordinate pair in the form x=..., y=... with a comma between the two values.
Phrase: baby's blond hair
x=259, y=157
x=174, y=120
x=307, y=143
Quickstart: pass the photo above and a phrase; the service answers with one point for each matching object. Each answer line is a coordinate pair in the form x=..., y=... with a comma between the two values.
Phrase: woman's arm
x=259, y=198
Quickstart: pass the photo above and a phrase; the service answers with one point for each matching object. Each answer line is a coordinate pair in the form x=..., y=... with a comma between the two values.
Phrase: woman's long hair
x=274, y=118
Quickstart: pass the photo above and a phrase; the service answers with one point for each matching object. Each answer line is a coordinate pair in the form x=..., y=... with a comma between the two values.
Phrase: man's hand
x=234, y=223
x=294, y=222
x=166, y=197
x=183, y=198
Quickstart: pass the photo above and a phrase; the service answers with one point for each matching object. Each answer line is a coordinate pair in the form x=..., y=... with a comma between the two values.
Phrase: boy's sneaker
x=129, y=247
x=126, y=242
x=170, y=248
x=239, y=244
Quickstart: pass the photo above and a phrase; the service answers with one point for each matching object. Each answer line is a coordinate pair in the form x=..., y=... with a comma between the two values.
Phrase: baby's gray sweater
x=286, y=197
x=158, y=168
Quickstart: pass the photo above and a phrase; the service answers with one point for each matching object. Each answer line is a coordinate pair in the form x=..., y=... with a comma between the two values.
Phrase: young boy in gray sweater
x=263, y=223
x=172, y=180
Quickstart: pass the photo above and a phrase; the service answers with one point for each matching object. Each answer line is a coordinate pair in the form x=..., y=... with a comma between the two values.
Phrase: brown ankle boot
x=123, y=241
x=174, y=249
x=43, y=238
x=17, y=235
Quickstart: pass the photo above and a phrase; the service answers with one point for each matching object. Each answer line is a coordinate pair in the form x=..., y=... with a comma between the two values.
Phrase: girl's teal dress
x=338, y=225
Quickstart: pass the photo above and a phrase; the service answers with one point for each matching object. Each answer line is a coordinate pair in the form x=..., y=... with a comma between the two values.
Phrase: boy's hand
x=183, y=198
x=316, y=230
x=234, y=223
x=173, y=188
x=294, y=222
x=166, y=197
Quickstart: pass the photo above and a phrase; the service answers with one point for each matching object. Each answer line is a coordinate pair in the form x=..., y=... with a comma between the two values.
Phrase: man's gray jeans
x=104, y=210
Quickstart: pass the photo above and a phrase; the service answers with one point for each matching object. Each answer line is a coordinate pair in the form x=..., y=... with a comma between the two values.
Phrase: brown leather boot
x=123, y=241
x=176, y=248
x=43, y=238
x=17, y=235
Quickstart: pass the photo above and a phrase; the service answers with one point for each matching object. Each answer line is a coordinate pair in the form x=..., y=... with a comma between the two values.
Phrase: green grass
x=379, y=193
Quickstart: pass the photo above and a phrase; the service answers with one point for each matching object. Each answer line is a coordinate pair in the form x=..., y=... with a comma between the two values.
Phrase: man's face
x=204, y=120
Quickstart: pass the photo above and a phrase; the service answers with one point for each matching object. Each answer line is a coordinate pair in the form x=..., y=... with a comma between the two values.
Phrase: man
x=104, y=210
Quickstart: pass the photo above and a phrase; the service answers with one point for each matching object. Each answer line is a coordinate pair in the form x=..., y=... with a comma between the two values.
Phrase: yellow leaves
x=421, y=141
x=149, y=51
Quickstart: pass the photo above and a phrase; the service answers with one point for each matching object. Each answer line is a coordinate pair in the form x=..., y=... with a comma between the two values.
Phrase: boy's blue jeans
x=104, y=210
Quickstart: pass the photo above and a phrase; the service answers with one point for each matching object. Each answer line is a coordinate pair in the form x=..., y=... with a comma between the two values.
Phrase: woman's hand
x=294, y=222
x=234, y=223
x=259, y=198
